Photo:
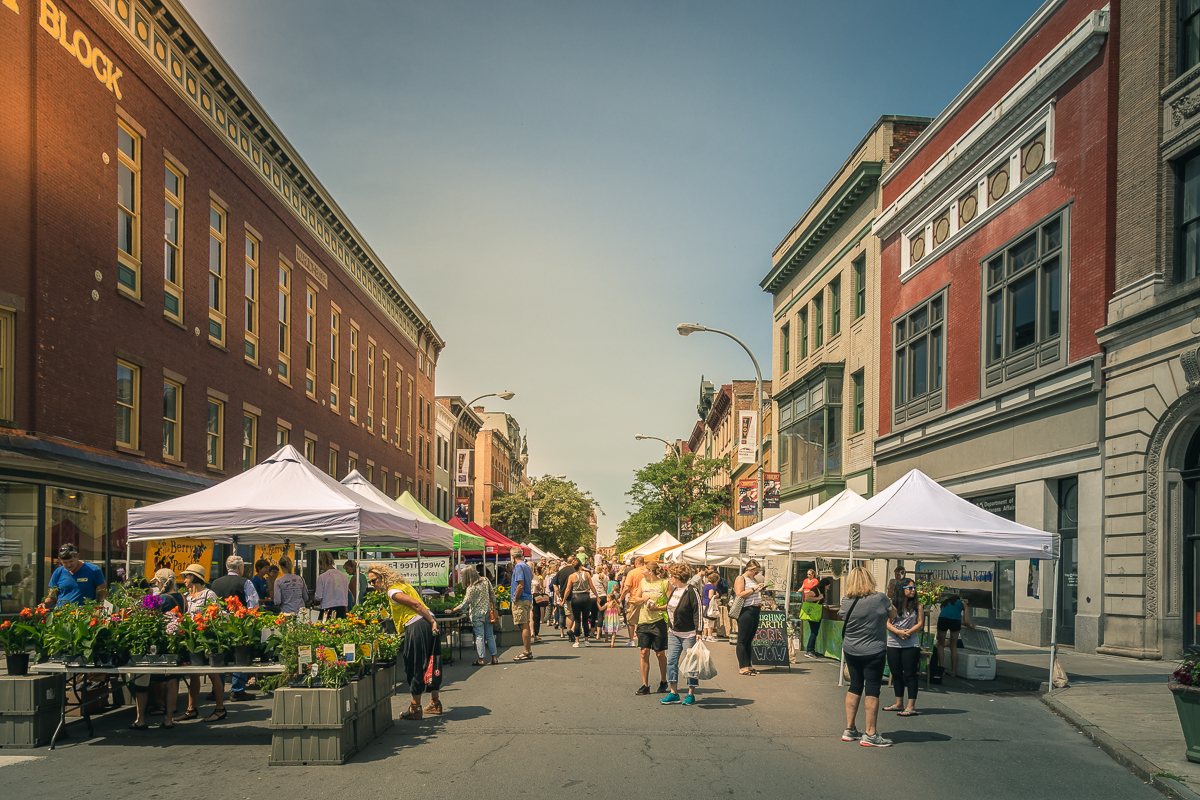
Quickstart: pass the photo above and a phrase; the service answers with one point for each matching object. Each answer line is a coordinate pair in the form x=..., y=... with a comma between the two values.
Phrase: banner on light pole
x=770, y=490
x=533, y=519
x=747, y=437
x=462, y=469
x=747, y=494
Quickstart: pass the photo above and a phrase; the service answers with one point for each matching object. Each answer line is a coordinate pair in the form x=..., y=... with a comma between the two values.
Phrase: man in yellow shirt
x=422, y=650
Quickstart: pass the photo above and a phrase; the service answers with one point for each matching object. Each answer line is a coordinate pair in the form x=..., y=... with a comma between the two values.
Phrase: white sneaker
x=575, y=645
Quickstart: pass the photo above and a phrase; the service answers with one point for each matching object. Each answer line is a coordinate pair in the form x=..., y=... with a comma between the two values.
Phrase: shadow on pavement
x=929, y=712
x=915, y=737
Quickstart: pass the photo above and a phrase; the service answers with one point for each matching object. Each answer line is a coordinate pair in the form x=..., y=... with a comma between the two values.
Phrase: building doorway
x=1068, y=573
x=1191, y=544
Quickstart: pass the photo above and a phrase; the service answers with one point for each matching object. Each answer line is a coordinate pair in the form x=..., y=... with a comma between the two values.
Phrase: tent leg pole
x=357, y=568
x=842, y=649
x=1054, y=625
x=419, y=564
x=128, y=555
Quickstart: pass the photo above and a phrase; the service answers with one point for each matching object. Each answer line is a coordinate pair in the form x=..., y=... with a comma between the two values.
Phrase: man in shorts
x=651, y=598
x=633, y=579
x=521, y=592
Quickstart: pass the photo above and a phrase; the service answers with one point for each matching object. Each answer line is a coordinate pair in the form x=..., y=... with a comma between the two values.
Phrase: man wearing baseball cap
x=75, y=581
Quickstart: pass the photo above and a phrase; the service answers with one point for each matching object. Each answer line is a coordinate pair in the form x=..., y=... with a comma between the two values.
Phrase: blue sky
x=557, y=185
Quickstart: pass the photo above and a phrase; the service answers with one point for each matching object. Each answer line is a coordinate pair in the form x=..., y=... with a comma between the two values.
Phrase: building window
x=860, y=408
x=785, y=348
x=128, y=396
x=383, y=406
x=216, y=433
x=351, y=464
x=409, y=415
x=249, y=440
x=310, y=342
x=810, y=432
x=1023, y=298
x=998, y=183
x=251, y=299
x=282, y=437
x=7, y=353
x=1189, y=34
x=918, y=350
x=860, y=286
x=173, y=246
x=803, y=333
x=835, y=307
x=371, y=473
x=353, y=372
x=285, y=321
x=172, y=400
x=818, y=307
x=968, y=206
x=310, y=449
x=370, y=385
x=941, y=228
x=129, y=209
x=216, y=275
x=1187, y=213
x=399, y=395
x=335, y=333
x=333, y=465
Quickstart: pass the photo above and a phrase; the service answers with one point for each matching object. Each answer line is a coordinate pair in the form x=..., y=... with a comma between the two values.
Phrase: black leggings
x=537, y=619
x=580, y=609
x=747, y=622
x=904, y=663
x=865, y=670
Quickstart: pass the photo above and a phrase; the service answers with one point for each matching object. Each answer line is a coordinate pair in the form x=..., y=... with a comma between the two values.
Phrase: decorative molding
x=1166, y=426
x=1190, y=361
x=1036, y=87
x=1185, y=107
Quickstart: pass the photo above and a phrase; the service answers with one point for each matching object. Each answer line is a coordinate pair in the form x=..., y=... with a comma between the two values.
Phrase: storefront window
x=18, y=547
x=1004, y=585
x=118, y=521
x=76, y=518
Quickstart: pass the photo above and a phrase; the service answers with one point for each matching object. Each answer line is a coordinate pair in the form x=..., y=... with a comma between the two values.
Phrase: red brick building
x=997, y=237
x=231, y=308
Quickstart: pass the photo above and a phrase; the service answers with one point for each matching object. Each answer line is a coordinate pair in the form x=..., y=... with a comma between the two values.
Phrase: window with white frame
x=172, y=403
x=216, y=275
x=129, y=209
x=128, y=402
x=7, y=373
x=251, y=345
x=919, y=348
x=173, y=245
x=215, y=434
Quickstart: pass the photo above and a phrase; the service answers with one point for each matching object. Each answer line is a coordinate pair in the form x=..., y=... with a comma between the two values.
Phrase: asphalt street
x=568, y=724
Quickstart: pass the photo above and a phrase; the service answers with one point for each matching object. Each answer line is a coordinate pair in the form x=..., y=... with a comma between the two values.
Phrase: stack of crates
x=30, y=708
x=313, y=727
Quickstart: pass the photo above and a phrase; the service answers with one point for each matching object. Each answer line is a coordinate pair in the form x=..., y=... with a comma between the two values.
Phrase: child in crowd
x=612, y=615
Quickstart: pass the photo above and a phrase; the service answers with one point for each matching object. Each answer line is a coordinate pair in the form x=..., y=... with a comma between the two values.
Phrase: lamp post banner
x=771, y=490
x=747, y=437
x=747, y=489
x=462, y=469
x=533, y=519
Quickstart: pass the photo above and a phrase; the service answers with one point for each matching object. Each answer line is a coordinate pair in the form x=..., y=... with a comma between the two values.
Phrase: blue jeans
x=814, y=630
x=483, y=635
x=675, y=647
x=238, y=684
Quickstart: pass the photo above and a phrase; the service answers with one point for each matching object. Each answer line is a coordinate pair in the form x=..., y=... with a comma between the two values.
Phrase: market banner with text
x=435, y=570
x=177, y=555
x=274, y=552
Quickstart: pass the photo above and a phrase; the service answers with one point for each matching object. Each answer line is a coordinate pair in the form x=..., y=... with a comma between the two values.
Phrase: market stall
x=661, y=542
x=693, y=552
x=917, y=518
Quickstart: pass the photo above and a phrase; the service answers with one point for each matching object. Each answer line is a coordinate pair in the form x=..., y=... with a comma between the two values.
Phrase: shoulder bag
x=736, y=604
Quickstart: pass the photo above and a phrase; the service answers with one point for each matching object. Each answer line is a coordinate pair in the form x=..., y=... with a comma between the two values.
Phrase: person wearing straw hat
x=198, y=597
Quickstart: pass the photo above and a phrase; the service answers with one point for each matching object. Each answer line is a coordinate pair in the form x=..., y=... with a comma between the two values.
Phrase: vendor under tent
x=662, y=541
x=283, y=500
x=917, y=518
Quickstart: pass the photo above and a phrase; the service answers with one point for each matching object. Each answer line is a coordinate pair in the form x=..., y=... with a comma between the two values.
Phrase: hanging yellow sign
x=274, y=552
x=177, y=554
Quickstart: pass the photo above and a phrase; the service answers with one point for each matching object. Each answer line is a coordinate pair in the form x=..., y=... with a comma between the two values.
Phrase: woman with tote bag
x=683, y=613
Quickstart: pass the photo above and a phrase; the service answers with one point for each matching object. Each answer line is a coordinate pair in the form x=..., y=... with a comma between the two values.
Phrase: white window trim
x=1008, y=150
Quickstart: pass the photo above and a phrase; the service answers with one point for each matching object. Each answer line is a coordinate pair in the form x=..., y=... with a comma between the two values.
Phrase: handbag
x=541, y=600
x=735, y=605
x=493, y=616
x=714, y=608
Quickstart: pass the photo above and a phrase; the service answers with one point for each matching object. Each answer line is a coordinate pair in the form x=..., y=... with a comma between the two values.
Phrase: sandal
x=217, y=716
x=477, y=663
x=137, y=727
x=537, y=639
x=189, y=714
x=909, y=714
x=524, y=657
x=495, y=661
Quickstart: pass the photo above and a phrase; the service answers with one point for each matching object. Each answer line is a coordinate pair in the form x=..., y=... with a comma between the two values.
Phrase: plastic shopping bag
x=697, y=662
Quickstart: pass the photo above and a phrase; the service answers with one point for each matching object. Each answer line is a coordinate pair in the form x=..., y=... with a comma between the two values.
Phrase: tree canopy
x=564, y=518
x=663, y=490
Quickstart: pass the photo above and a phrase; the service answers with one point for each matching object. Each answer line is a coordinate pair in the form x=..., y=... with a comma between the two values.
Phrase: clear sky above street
x=558, y=184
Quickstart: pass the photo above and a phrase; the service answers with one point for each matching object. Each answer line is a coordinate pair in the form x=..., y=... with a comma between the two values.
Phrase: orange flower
x=93, y=623
x=5, y=625
x=201, y=626
x=26, y=613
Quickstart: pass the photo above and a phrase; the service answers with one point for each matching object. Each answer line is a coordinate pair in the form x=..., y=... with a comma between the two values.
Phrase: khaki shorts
x=522, y=613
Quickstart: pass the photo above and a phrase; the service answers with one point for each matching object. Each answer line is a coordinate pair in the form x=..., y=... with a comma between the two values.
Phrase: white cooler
x=977, y=656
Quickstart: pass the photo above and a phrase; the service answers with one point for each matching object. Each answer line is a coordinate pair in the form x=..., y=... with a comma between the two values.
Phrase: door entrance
x=1191, y=544
x=1068, y=573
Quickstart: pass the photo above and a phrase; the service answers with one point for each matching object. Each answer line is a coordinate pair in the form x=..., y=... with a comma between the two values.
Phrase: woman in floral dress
x=479, y=601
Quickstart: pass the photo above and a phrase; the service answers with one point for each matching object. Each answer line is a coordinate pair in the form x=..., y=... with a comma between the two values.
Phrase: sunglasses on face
x=910, y=588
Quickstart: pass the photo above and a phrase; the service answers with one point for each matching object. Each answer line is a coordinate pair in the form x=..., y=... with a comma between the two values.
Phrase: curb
x=1121, y=753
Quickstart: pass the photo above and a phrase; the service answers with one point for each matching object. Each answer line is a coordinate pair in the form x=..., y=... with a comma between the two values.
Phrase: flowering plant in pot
x=142, y=633
x=241, y=628
x=17, y=636
x=1184, y=684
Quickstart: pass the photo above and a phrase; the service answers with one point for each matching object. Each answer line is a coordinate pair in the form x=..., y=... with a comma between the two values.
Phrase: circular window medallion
x=1035, y=156
x=191, y=86
x=142, y=32
x=999, y=185
x=178, y=70
x=122, y=9
x=160, y=51
x=941, y=230
x=918, y=249
x=967, y=209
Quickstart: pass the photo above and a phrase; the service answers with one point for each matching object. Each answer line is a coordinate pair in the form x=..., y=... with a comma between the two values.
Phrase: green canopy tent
x=462, y=541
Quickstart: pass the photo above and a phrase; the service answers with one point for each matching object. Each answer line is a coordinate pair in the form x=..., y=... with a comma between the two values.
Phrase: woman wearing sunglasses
x=904, y=645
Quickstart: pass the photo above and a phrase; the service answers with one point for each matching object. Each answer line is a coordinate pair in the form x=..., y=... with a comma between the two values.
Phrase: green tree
x=664, y=490
x=564, y=516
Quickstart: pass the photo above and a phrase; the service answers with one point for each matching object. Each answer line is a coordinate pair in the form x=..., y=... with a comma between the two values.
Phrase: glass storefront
x=18, y=546
x=998, y=615
x=810, y=433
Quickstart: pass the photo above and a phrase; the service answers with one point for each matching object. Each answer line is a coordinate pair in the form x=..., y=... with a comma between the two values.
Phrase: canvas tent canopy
x=693, y=552
x=758, y=534
x=462, y=541
x=284, y=499
x=662, y=541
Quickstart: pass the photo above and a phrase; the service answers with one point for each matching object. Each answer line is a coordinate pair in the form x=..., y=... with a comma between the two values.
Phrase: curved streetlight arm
x=454, y=431
x=672, y=445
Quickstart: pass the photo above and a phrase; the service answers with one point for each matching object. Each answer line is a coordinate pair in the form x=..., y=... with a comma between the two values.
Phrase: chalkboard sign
x=770, y=642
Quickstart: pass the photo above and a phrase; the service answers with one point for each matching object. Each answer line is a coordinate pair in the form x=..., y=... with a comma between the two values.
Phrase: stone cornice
x=1034, y=89
x=171, y=42
x=826, y=220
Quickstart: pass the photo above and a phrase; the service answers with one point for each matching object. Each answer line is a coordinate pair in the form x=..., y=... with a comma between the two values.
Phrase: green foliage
x=564, y=519
x=671, y=488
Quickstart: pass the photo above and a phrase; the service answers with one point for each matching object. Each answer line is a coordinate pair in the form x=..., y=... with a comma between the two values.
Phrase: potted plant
x=17, y=637
x=241, y=630
x=1184, y=684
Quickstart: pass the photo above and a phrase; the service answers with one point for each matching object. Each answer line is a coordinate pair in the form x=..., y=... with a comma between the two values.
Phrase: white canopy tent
x=917, y=518
x=535, y=553
x=759, y=534
x=660, y=542
x=283, y=500
x=693, y=552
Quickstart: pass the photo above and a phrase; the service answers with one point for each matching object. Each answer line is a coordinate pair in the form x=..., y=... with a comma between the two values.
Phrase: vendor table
x=450, y=629
x=153, y=669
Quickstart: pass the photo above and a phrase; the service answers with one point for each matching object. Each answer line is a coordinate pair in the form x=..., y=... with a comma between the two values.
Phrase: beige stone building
x=1151, y=559
x=825, y=282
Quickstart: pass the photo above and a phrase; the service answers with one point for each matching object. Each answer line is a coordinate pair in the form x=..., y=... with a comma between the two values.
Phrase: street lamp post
x=678, y=462
x=458, y=419
x=686, y=329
